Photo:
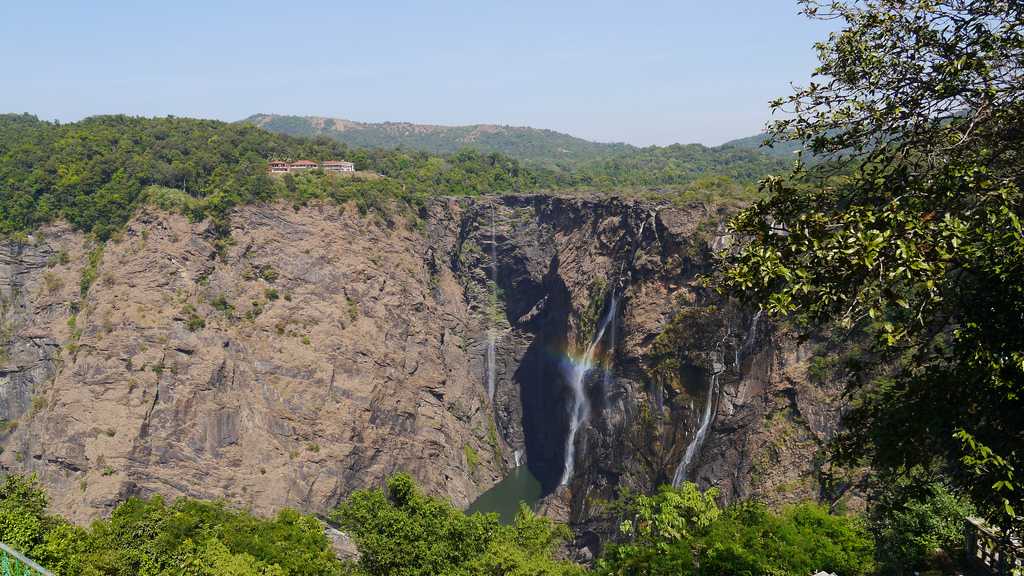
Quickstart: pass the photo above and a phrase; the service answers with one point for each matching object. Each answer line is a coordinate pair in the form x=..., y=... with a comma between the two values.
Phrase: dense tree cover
x=918, y=526
x=96, y=172
x=785, y=150
x=150, y=538
x=681, y=531
x=919, y=245
x=93, y=173
x=671, y=165
x=401, y=532
x=558, y=159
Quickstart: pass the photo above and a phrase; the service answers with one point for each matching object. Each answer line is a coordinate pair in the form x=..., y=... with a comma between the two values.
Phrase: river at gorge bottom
x=504, y=497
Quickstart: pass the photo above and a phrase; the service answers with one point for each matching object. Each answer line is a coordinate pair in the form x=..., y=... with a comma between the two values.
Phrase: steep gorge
x=320, y=350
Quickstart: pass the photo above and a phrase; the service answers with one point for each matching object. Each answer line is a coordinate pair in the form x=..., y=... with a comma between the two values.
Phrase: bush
x=801, y=540
x=401, y=532
x=680, y=531
x=912, y=526
x=150, y=538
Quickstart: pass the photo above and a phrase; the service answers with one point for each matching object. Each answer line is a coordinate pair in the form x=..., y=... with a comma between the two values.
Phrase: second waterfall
x=576, y=370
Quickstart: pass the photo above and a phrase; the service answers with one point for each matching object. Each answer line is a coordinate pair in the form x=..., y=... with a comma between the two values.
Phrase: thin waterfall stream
x=748, y=341
x=705, y=421
x=576, y=373
x=718, y=367
x=492, y=331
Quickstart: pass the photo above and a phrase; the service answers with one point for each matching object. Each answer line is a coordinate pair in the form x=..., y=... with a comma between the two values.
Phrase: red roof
x=304, y=163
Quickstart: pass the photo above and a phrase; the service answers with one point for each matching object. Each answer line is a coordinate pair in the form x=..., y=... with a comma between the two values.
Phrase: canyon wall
x=318, y=350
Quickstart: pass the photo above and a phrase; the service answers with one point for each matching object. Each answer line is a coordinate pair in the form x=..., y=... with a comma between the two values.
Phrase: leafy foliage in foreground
x=917, y=525
x=681, y=531
x=919, y=244
x=401, y=532
x=152, y=538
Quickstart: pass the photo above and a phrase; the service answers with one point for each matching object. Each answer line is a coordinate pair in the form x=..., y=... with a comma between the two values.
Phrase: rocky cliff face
x=320, y=350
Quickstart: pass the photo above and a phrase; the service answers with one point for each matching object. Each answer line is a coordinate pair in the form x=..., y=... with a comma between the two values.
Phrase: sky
x=642, y=72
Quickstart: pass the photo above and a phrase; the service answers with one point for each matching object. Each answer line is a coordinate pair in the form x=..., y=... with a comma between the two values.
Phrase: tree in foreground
x=680, y=531
x=918, y=527
x=908, y=233
x=152, y=538
x=402, y=532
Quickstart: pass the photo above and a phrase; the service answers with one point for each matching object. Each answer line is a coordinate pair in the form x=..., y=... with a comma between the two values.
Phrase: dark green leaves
x=910, y=234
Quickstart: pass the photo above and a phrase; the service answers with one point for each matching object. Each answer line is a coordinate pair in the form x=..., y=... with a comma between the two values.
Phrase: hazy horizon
x=650, y=73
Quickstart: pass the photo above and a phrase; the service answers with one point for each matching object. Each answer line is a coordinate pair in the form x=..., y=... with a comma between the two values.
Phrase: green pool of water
x=505, y=496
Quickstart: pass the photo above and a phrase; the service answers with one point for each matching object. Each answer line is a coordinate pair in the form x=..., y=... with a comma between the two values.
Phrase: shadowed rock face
x=320, y=351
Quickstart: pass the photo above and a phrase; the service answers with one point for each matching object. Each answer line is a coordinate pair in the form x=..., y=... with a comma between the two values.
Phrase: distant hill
x=784, y=150
x=571, y=161
x=523, y=143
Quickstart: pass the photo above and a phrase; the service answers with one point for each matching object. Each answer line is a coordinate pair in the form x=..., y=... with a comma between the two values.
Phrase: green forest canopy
x=94, y=173
x=536, y=148
x=400, y=531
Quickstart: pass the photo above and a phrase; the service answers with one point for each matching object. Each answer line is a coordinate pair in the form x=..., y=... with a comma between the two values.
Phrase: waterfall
x=609, y=375
x=576, y=372
x=705, y=420
x=490, y=365
x=517, y=457
x=492, y=332
x=748, y=341
x=698, y=439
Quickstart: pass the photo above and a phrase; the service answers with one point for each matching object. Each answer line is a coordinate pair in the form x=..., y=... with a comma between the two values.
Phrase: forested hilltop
x=542, y=148
x=520, y=142
x=764, y=143
x=95, y=172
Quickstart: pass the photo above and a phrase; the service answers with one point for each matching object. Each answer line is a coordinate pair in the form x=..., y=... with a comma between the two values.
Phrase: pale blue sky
x=644, y=72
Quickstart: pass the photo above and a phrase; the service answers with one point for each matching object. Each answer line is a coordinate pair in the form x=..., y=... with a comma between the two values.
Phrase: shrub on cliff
x=25, y=525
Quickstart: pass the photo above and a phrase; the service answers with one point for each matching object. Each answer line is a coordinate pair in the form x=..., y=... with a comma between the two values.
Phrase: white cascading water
x=576, y=372
x=742, y=351
x=492, y=332
x=698, y=439
x=705, y=420
x=609, y=374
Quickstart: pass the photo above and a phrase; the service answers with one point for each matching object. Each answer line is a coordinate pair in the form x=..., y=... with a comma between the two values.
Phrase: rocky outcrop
x=318, y=350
